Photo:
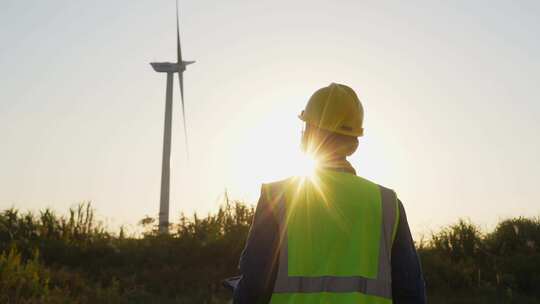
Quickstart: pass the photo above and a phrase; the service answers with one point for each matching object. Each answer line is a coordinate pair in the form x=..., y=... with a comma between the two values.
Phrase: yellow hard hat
x=335, y=108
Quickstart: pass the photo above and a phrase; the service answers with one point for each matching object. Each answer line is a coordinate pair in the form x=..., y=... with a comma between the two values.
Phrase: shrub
x=79, y=261
x=22, y=282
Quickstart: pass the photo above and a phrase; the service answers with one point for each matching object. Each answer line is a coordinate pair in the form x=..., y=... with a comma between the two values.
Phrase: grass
x=72, y=258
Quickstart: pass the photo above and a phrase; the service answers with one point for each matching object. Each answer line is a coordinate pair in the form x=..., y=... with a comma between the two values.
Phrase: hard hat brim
x=354, y=133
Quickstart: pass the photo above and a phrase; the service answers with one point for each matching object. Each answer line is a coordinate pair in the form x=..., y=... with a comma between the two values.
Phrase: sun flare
x=306, y=166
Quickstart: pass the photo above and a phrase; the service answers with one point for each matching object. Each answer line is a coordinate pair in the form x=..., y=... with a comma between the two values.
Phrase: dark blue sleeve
x=407, y=279
x=258, y=263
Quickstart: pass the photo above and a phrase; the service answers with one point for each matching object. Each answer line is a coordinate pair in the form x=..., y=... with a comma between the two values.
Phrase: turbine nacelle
x=170, y=67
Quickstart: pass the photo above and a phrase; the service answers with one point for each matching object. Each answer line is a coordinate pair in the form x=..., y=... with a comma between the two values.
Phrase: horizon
x=449, y=90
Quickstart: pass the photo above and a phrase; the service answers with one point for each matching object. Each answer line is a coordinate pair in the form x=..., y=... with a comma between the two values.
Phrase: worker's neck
x=336, y=162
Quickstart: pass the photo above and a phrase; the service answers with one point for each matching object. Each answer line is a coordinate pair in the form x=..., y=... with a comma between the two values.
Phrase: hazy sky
x=450, y=88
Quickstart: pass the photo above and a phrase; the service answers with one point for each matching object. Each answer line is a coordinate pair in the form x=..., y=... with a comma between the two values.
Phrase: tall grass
x=73, y=258
x=501, y=263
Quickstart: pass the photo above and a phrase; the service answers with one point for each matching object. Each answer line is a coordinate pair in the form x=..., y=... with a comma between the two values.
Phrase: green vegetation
x=48, y=258
x=503, y=266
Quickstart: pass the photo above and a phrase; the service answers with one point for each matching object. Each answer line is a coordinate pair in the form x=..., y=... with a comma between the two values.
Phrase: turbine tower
x=170, y=68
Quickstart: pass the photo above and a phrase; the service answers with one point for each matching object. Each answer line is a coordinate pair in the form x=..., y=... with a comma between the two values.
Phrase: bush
x=22, y=282
x=79, y=261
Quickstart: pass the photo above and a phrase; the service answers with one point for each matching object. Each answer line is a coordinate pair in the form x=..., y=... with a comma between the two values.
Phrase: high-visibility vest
x=336, y=234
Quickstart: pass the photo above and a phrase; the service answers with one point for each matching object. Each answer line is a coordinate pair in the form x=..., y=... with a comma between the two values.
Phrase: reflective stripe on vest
x=380, y=286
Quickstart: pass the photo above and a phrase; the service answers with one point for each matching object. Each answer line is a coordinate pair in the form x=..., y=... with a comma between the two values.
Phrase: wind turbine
x=170, y=68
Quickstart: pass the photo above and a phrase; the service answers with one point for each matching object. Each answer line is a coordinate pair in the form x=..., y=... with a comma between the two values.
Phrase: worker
x=332, y=236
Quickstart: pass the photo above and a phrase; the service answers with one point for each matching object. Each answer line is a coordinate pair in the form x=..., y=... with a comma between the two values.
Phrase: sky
x=450, y=90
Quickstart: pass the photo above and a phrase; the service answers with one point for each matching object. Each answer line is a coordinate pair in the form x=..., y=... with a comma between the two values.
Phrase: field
x=72, y=258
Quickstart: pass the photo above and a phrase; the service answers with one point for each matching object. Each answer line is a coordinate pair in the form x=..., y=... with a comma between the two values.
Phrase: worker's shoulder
x=276, y=187
x=278, y=183
x=272, y=195
x=365, y=180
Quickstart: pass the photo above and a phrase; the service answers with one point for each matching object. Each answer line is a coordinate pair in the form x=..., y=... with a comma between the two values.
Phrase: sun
x=306, y=166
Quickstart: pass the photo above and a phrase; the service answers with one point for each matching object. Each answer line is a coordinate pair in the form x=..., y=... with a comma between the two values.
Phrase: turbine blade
x=178, y=50
x=181, y=82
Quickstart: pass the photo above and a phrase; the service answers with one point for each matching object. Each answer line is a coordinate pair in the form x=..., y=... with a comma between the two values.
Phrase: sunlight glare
x=306, y=166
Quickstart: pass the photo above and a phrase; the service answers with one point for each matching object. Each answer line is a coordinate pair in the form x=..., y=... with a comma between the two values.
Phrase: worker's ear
x=353, y=145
